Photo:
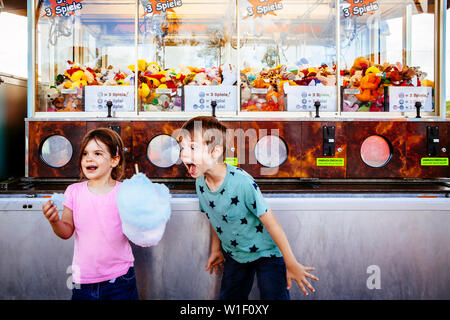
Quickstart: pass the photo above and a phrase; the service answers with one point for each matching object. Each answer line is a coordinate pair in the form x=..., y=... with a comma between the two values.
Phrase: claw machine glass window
x=287, y=55
x=85, y=56
x=387, y=56
x=186, y=57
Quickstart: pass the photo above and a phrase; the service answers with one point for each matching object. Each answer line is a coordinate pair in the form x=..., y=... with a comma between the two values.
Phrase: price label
x=198, y=98
x=403, y=99
x=96, y=97
x=302, y=98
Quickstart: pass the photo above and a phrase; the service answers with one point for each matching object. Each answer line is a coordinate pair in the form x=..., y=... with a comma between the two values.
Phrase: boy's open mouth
x=192, y=168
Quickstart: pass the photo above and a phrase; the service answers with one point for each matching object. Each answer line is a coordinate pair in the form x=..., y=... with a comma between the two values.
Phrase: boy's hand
x=50, y=211
x=215, y=262
x=298, y=272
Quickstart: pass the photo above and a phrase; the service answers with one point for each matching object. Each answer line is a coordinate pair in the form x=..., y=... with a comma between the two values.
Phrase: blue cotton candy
x=58, y=200
x=143, y=205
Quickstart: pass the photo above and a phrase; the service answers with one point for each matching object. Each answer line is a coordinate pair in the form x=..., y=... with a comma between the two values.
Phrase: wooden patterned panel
x=143, y=133
x=289, y=131
x=126, y=133
x=312, y=148
x=393, y=131
x=38, y=132
x=416, y=149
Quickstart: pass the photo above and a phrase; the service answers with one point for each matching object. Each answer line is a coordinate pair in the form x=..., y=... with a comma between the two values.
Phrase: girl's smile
x=96, y=161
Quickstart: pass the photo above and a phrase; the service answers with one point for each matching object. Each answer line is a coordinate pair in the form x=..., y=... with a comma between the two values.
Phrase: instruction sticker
x=231, y=161
x=434, y=162
x=302, y=98
x=198, y=98
x=96, y=98
x=330, y=162
x=403, y=99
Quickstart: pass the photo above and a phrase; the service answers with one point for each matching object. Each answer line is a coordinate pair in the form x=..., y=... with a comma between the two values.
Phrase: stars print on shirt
x=221, y=192
x=211, y=204
x=219, y=230
x=255, y=186
x=232, y=173
x=254, y=205
x=234, y=243
x=235, y=200
x=243, y=221
x=253, y=248
x=224, y=218
x=202, y=190
x=259, y=228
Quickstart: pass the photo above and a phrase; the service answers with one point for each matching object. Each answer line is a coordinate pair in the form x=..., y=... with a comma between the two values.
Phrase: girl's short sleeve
x=68, y=197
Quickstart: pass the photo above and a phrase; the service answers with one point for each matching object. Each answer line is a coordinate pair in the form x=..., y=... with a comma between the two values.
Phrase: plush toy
x=201, y=79
x=58, y=104
x=51, y=94
x=350, y=103
x=368, y=88
x=355, y=80
x=153, y=68
x=229, y=74
x=360, y=63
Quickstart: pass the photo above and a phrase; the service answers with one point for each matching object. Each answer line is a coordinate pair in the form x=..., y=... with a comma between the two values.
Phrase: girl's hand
x=50, y=211
x=215, y=262
x=298, y=272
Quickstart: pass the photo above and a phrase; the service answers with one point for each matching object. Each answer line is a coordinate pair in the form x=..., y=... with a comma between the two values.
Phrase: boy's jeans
x=123, y=288
x=237, y=279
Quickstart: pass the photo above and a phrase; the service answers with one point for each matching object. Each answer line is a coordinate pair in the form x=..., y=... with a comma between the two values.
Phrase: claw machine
x=335, y=107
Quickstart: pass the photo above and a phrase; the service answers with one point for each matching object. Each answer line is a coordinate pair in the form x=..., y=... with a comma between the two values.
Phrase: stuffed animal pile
x=161, y=89
x=369, y=81
x=75, y=78
x=264, y=90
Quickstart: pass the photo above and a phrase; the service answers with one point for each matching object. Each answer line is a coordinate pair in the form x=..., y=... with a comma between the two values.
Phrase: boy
x=245, y=235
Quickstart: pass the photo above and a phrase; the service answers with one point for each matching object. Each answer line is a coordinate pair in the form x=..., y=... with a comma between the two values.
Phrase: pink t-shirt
x=101, y=250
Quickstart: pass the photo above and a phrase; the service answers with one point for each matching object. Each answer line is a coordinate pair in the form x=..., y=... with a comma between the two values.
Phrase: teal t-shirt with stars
x=233, y=210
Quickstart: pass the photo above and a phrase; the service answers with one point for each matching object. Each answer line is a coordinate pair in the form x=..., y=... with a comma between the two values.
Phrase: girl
x=102, y=263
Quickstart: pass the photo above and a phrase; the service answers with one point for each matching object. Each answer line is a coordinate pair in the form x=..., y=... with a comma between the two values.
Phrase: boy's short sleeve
x=68, y=197
x=254, y=200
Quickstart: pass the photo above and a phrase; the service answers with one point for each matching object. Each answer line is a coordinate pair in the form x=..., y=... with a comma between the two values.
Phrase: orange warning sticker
x=359, y=7
x=260, y=8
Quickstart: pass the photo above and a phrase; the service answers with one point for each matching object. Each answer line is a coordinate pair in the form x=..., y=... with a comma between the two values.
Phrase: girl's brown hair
x=114, y=144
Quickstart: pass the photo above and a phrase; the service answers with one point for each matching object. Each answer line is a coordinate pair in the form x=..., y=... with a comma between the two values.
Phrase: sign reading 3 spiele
x=160, y=6
x=261, y=8
x=359, y=7
x=63, y=7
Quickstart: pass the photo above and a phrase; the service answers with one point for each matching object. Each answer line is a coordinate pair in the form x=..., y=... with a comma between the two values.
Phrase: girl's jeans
x=123, y=288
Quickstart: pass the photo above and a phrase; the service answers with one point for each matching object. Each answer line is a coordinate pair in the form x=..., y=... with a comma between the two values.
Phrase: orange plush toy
x=368, y=86
x=360, y=63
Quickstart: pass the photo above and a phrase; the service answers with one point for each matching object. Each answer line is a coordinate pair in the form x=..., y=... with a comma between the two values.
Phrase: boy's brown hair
x=114, y=144
x=213, y=132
